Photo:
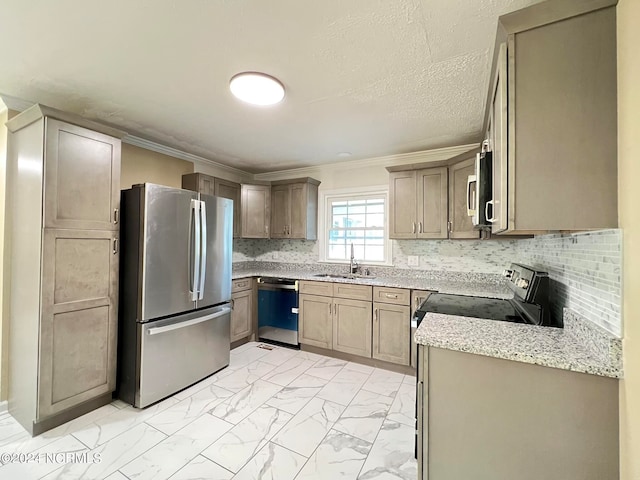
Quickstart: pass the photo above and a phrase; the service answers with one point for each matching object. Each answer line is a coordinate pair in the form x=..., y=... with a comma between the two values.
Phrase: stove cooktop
x=475, y=307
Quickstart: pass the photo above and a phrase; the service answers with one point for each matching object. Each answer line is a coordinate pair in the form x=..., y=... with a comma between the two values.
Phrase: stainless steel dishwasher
x=278, y=311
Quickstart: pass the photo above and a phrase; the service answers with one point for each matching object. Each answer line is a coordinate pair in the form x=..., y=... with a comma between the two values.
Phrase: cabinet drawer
x=324, y=289
x=398, y=296
x=241, y=284
x=355, y=292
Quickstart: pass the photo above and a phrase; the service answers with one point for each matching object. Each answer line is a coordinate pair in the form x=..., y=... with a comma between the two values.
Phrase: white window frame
x=324, y=211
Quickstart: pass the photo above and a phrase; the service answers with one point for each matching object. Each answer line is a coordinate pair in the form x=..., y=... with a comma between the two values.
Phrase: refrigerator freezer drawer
x=179, y=351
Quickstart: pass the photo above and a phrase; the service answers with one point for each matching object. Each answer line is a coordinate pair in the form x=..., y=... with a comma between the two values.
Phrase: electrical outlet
x=275, y=255
x=413, y=260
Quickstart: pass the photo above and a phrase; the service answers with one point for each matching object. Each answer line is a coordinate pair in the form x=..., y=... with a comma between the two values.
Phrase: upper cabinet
x=201, y=183
x=82, y=176
x=294, y=208
x=418, y=203
x=431, y=202
x=256, y=211
x=551, y=119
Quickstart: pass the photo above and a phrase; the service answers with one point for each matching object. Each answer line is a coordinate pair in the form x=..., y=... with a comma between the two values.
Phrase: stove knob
x=507, y=273
x=522, y=283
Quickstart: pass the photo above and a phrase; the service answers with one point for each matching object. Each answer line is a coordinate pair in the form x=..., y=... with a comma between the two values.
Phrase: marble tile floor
x=273, y=414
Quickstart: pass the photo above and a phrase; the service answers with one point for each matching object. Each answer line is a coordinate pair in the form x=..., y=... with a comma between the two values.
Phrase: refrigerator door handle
x=203, y=254
x=188, y=323
x=195, y=208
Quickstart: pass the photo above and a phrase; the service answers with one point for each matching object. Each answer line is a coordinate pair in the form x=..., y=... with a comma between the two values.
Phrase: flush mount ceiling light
x=256, y=88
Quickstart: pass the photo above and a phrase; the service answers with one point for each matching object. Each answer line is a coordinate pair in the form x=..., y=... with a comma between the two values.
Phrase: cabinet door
x=460, y=224
x=417, y=297
x=241, y=303
x=280, y=211
x=352, y=326
x=391, y=331
x=498, y=141
x=315, y=321
x=402, y=205
x=227, y=189
x=82, y=178
x=78, y=327
x=299, y=202
x=256, y=211
x=432, y=203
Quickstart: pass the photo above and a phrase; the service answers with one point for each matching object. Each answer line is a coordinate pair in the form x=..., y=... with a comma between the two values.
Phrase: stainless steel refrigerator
x=175, y=290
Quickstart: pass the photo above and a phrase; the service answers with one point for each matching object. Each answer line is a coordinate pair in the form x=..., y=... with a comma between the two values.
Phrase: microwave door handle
x=195, y=207
x=203, y=249
x=471, y=195
x=486, y=211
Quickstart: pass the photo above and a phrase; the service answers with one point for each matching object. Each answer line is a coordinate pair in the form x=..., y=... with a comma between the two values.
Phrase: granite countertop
x=573, y=348
x=459, y=285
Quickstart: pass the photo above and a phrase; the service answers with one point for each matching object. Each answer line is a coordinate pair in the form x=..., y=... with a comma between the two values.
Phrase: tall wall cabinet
x=63, y=202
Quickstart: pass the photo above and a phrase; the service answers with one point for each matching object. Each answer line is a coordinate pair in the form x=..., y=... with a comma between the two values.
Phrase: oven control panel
x=524, y=281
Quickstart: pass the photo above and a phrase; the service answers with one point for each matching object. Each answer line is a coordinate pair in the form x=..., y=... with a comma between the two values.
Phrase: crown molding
x=14, y=103
x=433, y=155
x=174, y=152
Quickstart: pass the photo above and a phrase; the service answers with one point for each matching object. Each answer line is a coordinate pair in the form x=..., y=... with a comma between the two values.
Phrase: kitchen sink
x=344, y=275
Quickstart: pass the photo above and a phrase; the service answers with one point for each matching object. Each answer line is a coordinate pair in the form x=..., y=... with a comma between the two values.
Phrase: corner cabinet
x=294, y=209
x=63, y=213
x=202, y=183
x=256, y=211
x=551, y=119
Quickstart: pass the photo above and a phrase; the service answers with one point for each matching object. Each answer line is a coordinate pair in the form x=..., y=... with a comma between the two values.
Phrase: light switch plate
x=413, y=260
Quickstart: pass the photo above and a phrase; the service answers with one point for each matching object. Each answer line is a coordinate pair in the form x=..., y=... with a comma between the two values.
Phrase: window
x=356, y=219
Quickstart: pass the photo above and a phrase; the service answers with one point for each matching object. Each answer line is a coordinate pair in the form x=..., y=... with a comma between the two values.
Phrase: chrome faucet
x=353, y=265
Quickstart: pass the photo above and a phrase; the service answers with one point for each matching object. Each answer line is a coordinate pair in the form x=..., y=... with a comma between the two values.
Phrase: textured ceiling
x=370, y=77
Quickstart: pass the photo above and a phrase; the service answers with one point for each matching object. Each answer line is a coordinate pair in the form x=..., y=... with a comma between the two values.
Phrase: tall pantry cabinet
x=63, y=203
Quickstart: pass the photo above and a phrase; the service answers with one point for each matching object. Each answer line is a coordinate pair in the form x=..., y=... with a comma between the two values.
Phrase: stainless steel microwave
x=479, y=189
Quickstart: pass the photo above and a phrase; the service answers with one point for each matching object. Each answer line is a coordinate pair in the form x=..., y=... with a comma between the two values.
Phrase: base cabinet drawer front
x=315, y=321
x=324, y=289
x=241, y=284
x=352, y=326
x=391, y=330
x=241, y=314
x=354, y=292
x=398, y=296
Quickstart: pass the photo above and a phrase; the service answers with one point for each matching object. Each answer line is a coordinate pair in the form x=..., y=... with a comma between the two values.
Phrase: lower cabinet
x=488, y=418
x=315, y=325
x=391, y=330
x=352, y=326
x=242, y=295
x=342, y=317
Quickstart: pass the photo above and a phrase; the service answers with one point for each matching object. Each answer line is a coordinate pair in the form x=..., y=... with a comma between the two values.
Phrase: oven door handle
x=471, y=195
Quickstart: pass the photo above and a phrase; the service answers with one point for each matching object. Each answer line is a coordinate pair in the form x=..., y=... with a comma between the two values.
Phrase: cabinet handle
x=329, y=309
x=375, y=314
x=419, y=227
x=115, y=246
x=449, y=226
x=413, y=227
x=233, y=304
x=389, y=295
x=116, y=216
x=241, y=284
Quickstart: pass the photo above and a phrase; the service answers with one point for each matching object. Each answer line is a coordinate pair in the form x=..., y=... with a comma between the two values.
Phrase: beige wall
x=140, y=165
x=629, y=172
x=363, y=173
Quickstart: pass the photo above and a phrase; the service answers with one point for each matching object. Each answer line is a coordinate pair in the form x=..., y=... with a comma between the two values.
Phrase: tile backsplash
x=585, y=271
x=585, y=268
